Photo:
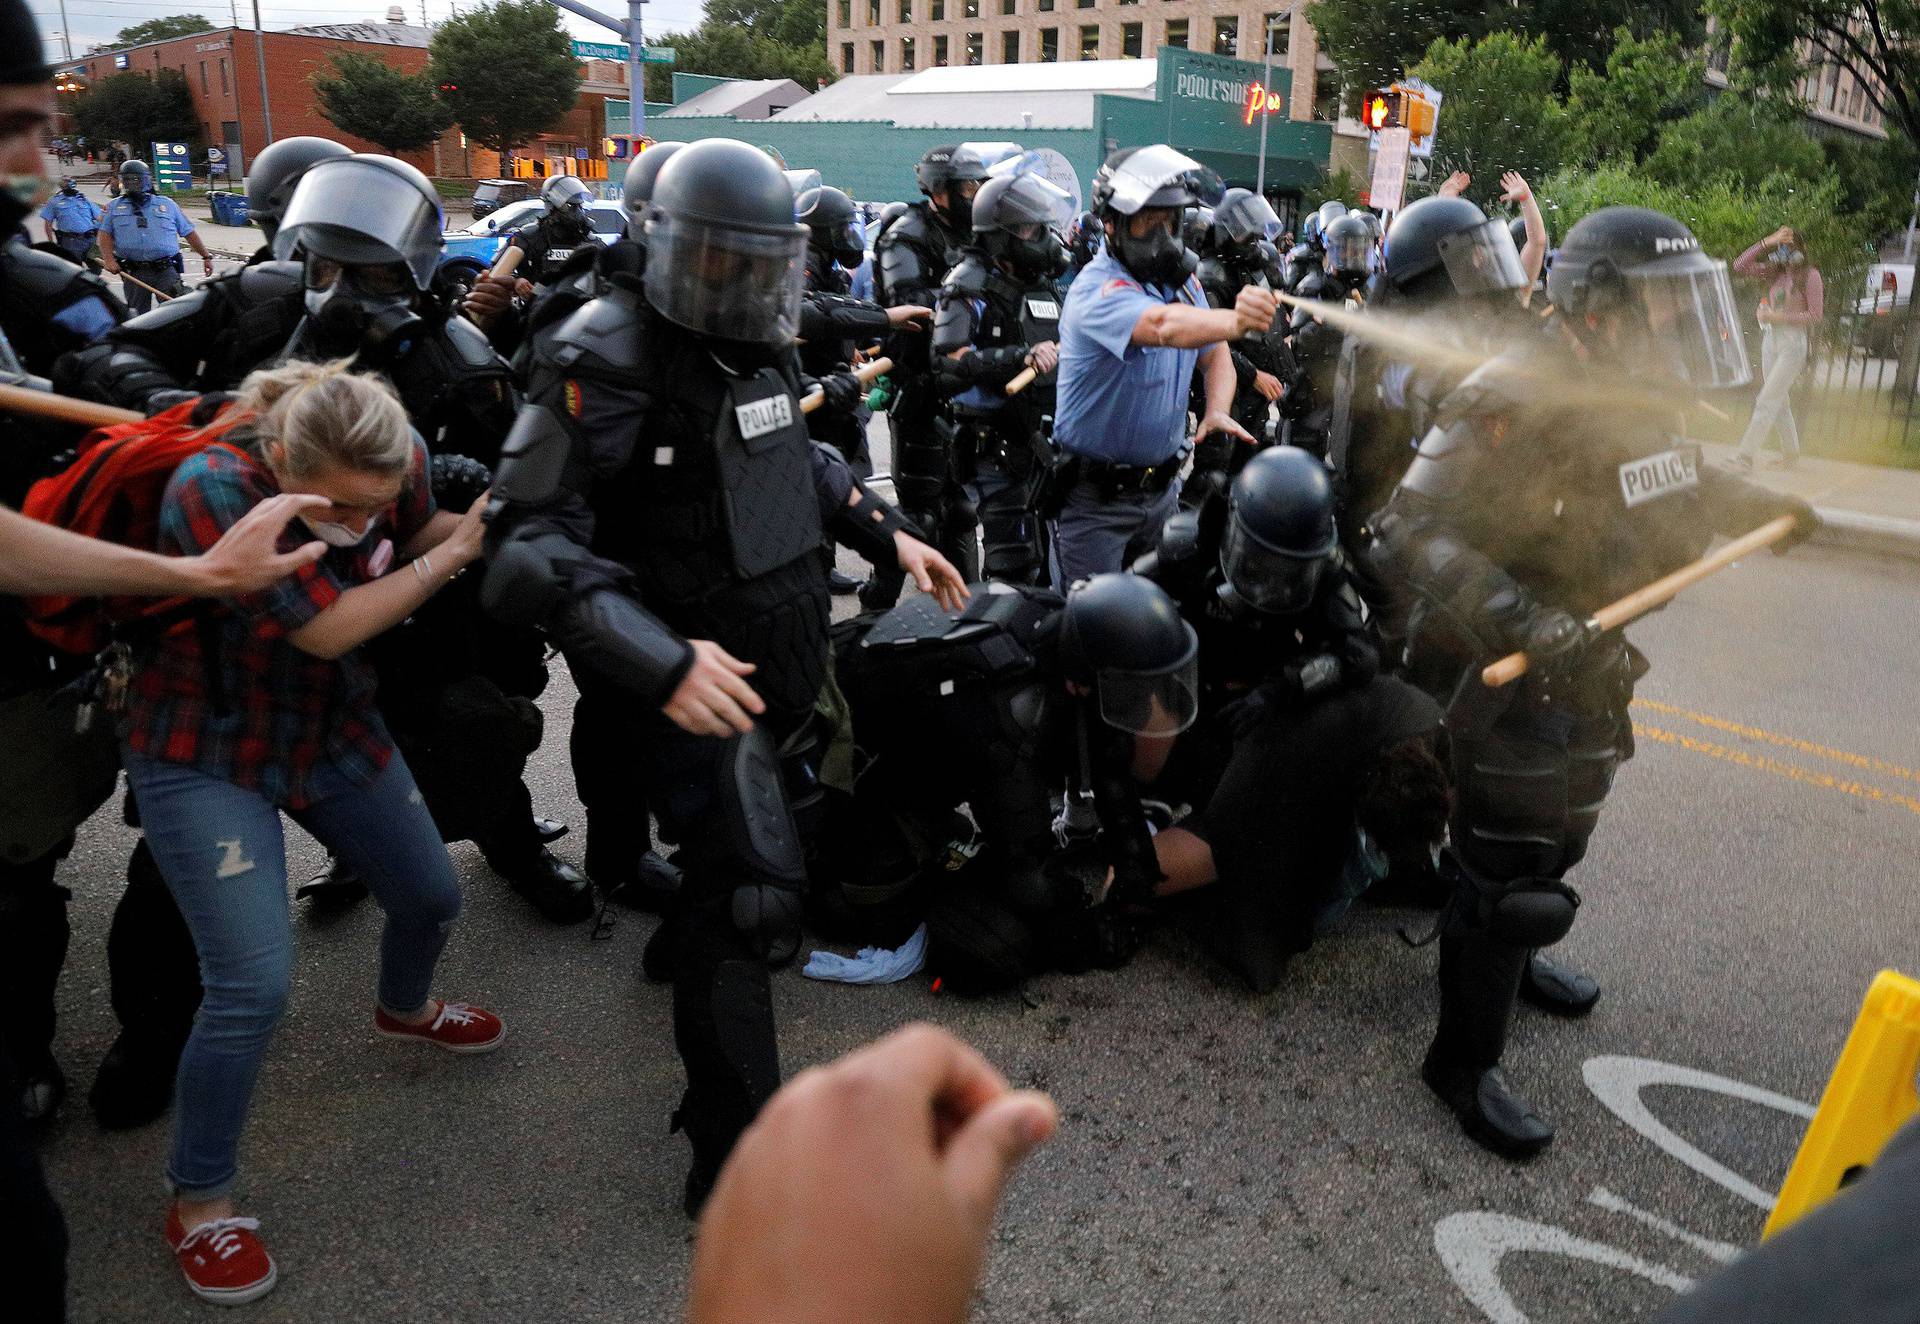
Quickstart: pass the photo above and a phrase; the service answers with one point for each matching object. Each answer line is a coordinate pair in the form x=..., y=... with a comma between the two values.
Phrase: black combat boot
x=335, y=889
x=155, y=986
x=1557, y=989
x=557, y=890
x=1479, y=978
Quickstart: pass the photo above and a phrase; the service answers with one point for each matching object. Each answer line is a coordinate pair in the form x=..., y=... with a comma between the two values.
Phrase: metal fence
x=1858, y=390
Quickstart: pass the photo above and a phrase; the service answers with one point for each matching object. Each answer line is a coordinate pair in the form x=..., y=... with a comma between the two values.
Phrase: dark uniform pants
x=162, y=275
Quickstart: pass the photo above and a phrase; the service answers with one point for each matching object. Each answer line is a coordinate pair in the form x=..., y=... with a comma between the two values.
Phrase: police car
x=467, y=252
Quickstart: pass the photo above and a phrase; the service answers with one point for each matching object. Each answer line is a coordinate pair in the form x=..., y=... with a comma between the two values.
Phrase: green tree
x=727, y=50
x=1501, y=110
x=157, y=29
x=1872, y=39
x=139, y=108
x=371, y=99
x=1743, y=139
x=1616, y=113
x=1587, y=31
x=789, y=22
x=506, y=71
x=1373, y=41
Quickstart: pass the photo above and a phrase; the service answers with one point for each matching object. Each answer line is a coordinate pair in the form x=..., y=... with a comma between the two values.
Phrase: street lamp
x=1266, y=82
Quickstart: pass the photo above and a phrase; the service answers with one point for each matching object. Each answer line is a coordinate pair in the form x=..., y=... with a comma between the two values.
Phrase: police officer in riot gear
x=1239, y=252
x=998, y=316
x=562, y=230
x=911, y=257
x=1002, y=708
x=661, y=513
x=271, y=181
x=1345, y=264
x=1511, y=555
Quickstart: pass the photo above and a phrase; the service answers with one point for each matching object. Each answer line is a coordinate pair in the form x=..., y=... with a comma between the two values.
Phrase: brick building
x=901, y=36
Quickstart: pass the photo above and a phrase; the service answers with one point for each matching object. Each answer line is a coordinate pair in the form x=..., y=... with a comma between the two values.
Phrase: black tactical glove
x=1359, y=660
x=1806, y=521
x=844, y=392
x=458, y=481
x=1554, y=640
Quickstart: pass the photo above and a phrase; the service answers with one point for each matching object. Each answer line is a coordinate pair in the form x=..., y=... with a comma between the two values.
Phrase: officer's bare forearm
x=1222, y=383
x=1182, y=326
x=198, y=245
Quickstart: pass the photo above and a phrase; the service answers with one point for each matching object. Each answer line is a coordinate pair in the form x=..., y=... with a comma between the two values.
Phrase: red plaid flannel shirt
x=258, y=712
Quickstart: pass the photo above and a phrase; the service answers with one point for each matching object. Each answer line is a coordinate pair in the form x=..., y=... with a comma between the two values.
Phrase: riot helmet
x=566, y=198
x=1243, y=218
x=834, y=232
x=136, y=178
x=1083, y=239
x=1330, y=211
x=1441, y=244
x=1635, y=283
x=1018, y=219
x=637, y=191
x=725, y=258
x=1123, y=636
x=277, y=169
x=1280, y=535
x=1349, y=248
x=1310, y=233
x=1161, y=183
x=364, y=211
x=935, y=169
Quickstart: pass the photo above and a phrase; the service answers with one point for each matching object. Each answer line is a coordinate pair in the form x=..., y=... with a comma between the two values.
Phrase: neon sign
x=1262, y=102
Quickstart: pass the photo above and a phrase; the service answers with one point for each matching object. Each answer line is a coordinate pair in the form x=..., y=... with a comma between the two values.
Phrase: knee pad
x=768, y=917
x=1530, y=912
x=755, y=812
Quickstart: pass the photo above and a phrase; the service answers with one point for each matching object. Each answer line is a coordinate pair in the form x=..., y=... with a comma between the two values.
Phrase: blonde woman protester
x=270, y=710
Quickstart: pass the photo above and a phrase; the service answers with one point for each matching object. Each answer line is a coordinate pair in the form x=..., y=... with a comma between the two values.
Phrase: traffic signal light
x=1380, y=109
x=1416, y=116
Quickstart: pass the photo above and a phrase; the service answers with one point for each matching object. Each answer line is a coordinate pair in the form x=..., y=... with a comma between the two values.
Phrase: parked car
x=490, y=195
x=470, y=250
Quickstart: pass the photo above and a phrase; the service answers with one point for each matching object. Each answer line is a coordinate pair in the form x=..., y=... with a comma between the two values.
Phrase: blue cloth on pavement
x=873, y=965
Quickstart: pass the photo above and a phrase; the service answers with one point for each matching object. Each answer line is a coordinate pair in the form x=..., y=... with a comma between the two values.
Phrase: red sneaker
x=223, y=1260
x=457, y=1028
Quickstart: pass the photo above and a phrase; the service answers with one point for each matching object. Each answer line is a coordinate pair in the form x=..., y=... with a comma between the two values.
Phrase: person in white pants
x=1794, y=303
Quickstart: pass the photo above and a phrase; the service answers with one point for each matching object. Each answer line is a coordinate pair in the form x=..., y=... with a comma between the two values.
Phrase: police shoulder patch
x=1117, y=283
x=576, y=404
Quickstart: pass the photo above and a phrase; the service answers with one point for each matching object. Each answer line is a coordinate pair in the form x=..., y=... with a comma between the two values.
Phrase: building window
x=906, y=11
x=878, y=50
x=1043, y=6
x=1008, y=8
x=203, y=78
x=1226, y=35
x=939, y=51
x=1130, y=40
x=1279, y=36
x=1086, y=4
x=846, y=14
x=1049, y=45
x=1090, y=41
x=873, y=13
x=1126, y=2
x=1176, y=33
x=1326, y=97
x=846, y=57
x=223, y=76
x=1009, y=48
x=939, y=11
x=970, y=8
x=976, y=49
x=906, y=55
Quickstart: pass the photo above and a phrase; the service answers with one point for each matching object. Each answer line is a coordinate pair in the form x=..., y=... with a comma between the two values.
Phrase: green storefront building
x=864, y=133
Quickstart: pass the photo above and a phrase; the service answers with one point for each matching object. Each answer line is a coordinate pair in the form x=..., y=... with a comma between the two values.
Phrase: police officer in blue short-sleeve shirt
x=141, y=239
x=72, y=220
x=1135, y=326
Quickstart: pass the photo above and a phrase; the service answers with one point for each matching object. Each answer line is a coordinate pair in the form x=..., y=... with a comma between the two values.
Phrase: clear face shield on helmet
x=1158, y=176
x=1246, y=218
x=1349, y=254
x=1482, y=260
x=1688, y=318
x=1267, y=578
x=725, y=281
x=361, y=214
x=1152, y=703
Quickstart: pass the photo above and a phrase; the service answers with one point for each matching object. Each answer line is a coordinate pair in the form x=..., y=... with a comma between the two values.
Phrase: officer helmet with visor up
x=1020, y=218
x=1635, y=282
x=725, y=257
x=1124, y=637
x=365, y=211
x=636, y=193
x=1280, y=531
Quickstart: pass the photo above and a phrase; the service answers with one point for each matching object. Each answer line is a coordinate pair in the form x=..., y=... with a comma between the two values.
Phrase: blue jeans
x=221, y=851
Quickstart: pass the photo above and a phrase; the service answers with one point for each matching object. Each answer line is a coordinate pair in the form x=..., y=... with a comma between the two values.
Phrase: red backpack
x=113, y=492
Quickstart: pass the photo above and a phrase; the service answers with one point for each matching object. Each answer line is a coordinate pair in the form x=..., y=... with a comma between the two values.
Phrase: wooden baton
x=161, y=295
x=45, y=404
x=508, y=261
x=1663, y=590
x=1021, y=381
x=866, y=372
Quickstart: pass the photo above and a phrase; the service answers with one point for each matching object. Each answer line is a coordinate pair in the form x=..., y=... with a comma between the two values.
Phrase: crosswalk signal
x=1380, y=109
x=1417, y=117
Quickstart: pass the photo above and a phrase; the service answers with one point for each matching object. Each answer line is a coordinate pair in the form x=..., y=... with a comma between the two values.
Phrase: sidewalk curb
x=1850, y=530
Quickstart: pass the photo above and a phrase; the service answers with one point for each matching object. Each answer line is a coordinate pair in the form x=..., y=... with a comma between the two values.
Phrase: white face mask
x=338, y=535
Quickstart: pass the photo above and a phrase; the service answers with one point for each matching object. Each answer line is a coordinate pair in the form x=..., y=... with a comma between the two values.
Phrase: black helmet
x=136, y=176
x=973, y=163
x=637, y=191
x=725, y=258
x=1124, y=636
x=1196, y=228
x=561, y=191
x=935, y=169
x=1019, y=218
x=364, y=211
x=1137, y=179
x=1280, y=532
x=1349, y=247
x=277, y=169
x=1330, y=211
x=1243, y=218
x=1676, y=308
x=828, y=215
x=1451, y=237
x=1084, y=237
x=892, y=212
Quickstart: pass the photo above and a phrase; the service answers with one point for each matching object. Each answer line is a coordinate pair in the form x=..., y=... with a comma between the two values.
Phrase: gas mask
x=1159, y=257
x=362, y=310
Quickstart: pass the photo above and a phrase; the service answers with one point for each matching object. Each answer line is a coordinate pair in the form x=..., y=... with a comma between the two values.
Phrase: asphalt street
x=1223, y=1156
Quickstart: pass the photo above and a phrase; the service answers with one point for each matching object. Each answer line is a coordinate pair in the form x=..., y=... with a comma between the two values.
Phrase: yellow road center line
x=1860, y=761
x=1764, y=764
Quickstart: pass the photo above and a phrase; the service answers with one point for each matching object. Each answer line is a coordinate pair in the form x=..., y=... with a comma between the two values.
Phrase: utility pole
x=632, y=30
x=1266, y=85
x=260, y=56
x=66, y=38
